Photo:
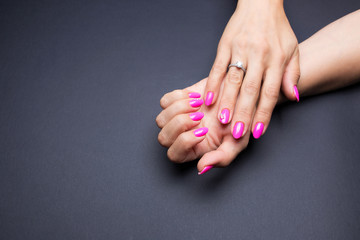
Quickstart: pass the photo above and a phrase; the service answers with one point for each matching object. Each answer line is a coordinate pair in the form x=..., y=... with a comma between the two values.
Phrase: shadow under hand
x=217, y=178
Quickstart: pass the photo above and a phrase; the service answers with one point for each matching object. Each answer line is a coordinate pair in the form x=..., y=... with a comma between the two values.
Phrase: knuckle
x=172, y=156
x=160, y=121
x=228, y=102
x=162, y=139
x=251, y=87
x=184, y=141
x=264, y=114
x=217, y=69
x=234, y=76
x=180, y=122
x=271, y=93
x=164, y=101
x=244, y=113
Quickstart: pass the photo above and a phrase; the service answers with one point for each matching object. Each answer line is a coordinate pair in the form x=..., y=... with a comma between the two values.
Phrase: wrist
x=260, y=3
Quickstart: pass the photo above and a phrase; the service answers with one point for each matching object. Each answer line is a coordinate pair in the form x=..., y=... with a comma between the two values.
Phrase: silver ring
x=239, y=65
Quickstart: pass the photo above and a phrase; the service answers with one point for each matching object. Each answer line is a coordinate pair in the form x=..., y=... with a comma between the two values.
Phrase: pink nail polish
x=196, y=116
x=194, y=95
x=206, y=169
x=238, y=130
x=224, y=116
x=201, y=131
x=196, y=102
x=259, y=127
x=209, y=98
x=296, y=93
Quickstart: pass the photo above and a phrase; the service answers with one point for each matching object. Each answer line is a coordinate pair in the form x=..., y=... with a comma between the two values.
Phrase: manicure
x=238, y=130
x=201, y=131
x=196, y=102
x=194, y=95
x=259, y=127
x=206, y=169
x=209, y=98
x=296, y=93
x=224, y=116
x=196, y=116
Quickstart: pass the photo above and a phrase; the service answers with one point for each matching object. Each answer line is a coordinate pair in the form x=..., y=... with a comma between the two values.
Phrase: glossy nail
x=206, y=169
x=209, y=98
x=196, y=102
x=196, y=116
x=224, y=116
x=194, y=95
x=238, y=130
x=201, y=131
x=296, y=93
x=259, y=127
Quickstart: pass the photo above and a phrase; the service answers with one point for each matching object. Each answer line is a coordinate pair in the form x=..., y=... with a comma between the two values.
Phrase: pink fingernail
x=201, y=131
x=206, y=169
x=209, y=98
x=196, y=102
x=259, y=127
x=296, y=93
x=238, y=130
x=224, y=116
x=196, y=116
x=194, y=95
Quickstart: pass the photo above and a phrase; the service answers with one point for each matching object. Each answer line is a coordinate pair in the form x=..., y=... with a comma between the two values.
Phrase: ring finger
x=231, y=90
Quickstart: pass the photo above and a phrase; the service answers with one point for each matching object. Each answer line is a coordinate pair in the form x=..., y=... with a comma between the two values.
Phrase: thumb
x=291, y=78
x=223, y=155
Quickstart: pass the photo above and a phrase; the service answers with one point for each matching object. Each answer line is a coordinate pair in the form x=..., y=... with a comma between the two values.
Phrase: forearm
x=330, y=59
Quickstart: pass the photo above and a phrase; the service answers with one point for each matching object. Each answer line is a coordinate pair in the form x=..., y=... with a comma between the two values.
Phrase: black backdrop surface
x=80, y=83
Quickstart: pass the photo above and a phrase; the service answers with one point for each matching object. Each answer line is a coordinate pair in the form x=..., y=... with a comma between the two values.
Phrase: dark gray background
x=80, y=83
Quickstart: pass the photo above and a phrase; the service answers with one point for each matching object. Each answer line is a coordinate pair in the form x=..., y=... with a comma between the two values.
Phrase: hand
x=217, y=147
x=321, y=72
x=259, y=35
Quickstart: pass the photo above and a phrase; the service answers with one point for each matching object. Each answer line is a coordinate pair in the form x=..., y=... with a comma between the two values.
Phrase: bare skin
x=259, y=35
x=329, y=60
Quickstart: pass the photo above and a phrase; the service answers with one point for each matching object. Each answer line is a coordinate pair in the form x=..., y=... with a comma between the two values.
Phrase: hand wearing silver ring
x=259, y=35
x=181, y=121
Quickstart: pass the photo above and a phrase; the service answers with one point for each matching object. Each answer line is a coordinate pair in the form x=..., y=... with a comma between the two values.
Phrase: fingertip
x=196, y=116
x=224, y=116
x=209, y=98
x=258, y=130
x=238, y=130
x=205, y=169
x=296, y=93
x=214, y=158
x=200, y=132
x=194, y=95
x=290, y=80
x=205, y=161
